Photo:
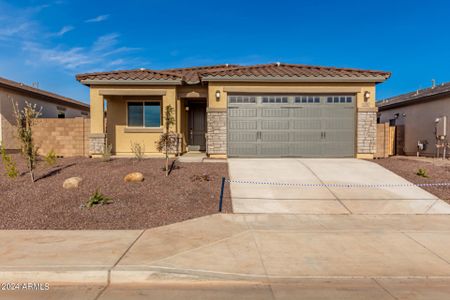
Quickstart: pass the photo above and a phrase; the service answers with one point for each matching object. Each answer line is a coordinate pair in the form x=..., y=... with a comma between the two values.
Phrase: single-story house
x=267, y=110
x=420, y=112
x=51, y=105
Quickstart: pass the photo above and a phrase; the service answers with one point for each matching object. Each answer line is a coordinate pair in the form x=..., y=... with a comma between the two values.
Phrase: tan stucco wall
x=117, y=131
x=419, y=122
x=266, y=87
x=7, y=119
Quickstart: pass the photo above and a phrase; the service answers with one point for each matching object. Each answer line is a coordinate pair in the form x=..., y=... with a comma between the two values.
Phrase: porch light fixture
x=217, y=95
x=366, y=96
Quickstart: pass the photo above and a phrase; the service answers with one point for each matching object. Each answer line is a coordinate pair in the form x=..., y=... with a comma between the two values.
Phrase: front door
x=197, y=126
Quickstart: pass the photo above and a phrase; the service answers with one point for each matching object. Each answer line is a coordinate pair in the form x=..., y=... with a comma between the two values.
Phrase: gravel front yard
x=156, y=201
x=438, y=171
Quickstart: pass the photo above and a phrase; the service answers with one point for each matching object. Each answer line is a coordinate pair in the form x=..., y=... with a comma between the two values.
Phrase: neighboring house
x=53, y=106
x=269, y=110
x=418, y=112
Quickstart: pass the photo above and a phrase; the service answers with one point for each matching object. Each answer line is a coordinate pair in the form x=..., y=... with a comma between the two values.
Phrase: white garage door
x=291, y=125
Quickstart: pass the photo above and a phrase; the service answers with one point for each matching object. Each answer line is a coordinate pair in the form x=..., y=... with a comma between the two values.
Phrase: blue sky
x=51, y=41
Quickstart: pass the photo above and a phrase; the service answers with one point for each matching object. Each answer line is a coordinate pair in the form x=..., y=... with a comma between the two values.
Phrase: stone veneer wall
x=366, y=131
x=97, y=143
x=216, y=138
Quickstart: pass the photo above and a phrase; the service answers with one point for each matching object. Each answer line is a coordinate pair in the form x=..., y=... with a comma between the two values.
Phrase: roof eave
x=412, y=101
x=131, y=82
x=48, y=96
x=373, y=79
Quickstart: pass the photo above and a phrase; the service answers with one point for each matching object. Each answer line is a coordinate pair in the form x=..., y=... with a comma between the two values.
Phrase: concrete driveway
x=270, y=198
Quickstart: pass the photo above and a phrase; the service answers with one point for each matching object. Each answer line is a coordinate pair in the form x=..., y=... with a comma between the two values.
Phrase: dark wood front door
x=197, y=126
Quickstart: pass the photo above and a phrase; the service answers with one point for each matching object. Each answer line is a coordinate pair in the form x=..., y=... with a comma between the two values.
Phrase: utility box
x=441, y=127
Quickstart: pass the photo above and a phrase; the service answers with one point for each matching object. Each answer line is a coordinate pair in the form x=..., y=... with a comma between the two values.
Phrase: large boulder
x=134, y=177
x=72, y=182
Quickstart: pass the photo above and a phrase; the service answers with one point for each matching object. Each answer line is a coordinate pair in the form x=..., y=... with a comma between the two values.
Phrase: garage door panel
x=332, y=124
x=309, y=149
x=275, y=124
x=274, y=136
x=243, y=136
x=302, y=124
x=242, y=112
x=243, y=149
x=341, y=149
x=305, y=136
x=336, y=136
x=275, y=112
x=306, y=112
x=243, y=125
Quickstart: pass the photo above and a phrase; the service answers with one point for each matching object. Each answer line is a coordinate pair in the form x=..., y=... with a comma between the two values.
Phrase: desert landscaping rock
x=134, y=177
x=438, y=172
x=72, y=183
x=158, y=200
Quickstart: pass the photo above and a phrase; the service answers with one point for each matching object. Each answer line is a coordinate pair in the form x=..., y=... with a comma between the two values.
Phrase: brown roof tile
x=195, y=75
x=138, y=74
x=294, y=71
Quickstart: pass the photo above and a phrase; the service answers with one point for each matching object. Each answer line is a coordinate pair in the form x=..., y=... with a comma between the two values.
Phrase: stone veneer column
x=216, y=137
x=367, y=130
x=97, y=142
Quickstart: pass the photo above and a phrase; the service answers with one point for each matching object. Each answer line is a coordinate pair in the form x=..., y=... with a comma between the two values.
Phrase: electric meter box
x=441, y=127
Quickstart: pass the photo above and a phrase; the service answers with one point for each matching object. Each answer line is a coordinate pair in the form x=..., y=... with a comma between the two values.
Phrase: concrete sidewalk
x=245, y=248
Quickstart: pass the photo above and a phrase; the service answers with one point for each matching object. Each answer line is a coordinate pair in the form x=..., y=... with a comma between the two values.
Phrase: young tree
x=167, y=141
x=24, y=122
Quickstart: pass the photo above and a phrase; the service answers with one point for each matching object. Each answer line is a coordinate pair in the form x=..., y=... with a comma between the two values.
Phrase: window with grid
x=274, y=99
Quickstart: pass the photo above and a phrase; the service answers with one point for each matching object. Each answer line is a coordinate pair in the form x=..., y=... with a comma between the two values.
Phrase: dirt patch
x=156, y=201
x=408, y=168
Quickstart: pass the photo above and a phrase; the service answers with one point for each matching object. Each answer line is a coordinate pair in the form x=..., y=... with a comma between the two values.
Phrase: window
x=307, y=99
x=242, y=99
x=61, y=115
x=274, y=99
x=144, y=114
x=339, y=99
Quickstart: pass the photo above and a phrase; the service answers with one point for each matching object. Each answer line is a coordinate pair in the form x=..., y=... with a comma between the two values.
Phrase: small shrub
x=200, y=178
x=24, y=123
x=138, y=150
x=106, y=155
x=9, y=164
x=97, y=199
x=50, y=158
x=422, y=173
x=166, y=141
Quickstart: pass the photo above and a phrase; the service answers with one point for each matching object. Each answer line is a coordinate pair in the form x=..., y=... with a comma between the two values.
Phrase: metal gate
x=291, y=125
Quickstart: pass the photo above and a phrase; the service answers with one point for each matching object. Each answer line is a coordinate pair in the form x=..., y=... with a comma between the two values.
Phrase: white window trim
x=143, y=115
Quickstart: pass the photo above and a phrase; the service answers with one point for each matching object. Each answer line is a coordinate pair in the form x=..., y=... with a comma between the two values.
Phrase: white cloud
x=64, y=30
x=106, y=42
x=103, y=52
x=71, y=58
x=12, y=30
x=97, y=19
